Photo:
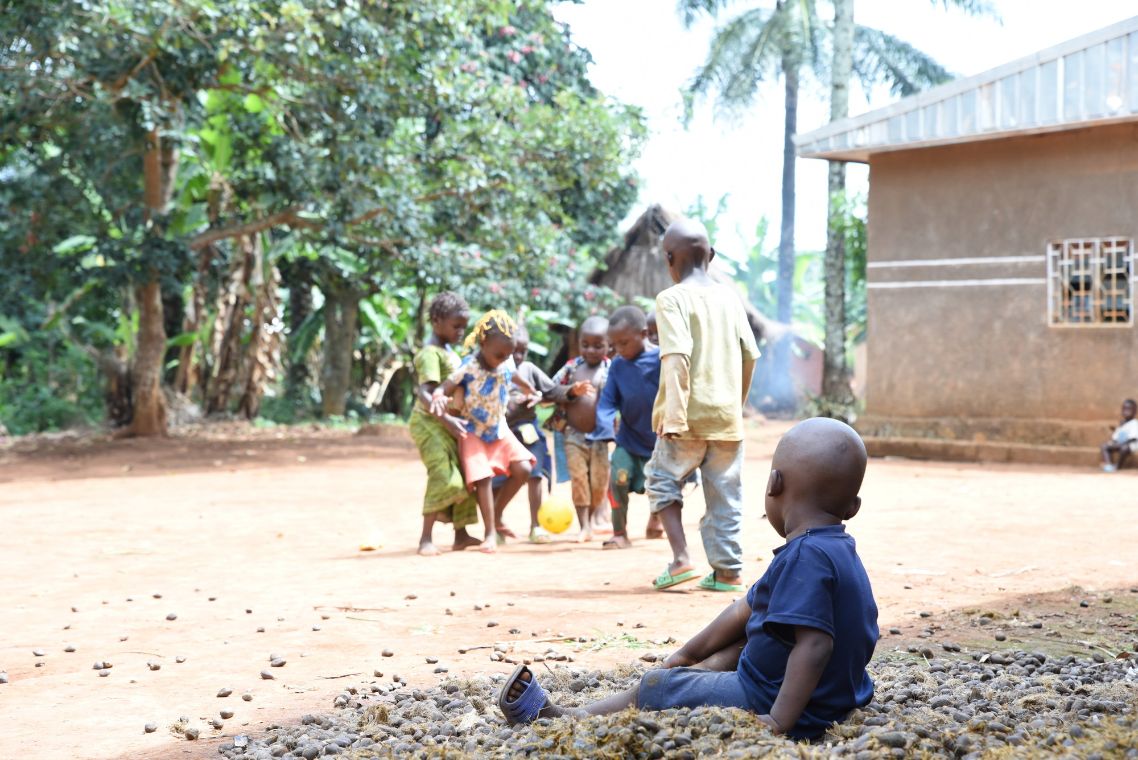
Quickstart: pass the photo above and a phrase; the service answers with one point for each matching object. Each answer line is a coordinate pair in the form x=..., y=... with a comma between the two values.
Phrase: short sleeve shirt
x=433, y=364
x=487, y=396
x=1127, y=432
x=816, y=581
x=708, y=325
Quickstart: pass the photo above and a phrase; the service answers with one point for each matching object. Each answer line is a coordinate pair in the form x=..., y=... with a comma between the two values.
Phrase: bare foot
x=585, y=536
x=549, y=710
x=505, y=532
x=465, y=541
x=602, y=528
x=428, y=549
x=489, y=546
x=618, y=541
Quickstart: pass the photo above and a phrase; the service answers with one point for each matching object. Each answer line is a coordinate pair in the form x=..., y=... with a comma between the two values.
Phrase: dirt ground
x=251, y=540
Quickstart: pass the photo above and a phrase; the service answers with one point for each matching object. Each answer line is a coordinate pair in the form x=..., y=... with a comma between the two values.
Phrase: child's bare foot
x=618, y=541
x=585, y=536
x=489, y=546
x=465, y=541
x=428, y=549
x=602, y=528
x=505, y=532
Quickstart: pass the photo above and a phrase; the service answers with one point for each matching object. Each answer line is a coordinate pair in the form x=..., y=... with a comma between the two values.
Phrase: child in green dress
x=447, y=498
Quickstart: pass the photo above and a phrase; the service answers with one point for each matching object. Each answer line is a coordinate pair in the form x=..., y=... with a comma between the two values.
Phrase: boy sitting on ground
x=794, y=651
x=630, y=391
x=1124, y=441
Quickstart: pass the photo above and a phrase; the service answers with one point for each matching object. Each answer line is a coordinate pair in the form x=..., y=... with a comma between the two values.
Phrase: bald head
x=688, y=238
x=822, y=462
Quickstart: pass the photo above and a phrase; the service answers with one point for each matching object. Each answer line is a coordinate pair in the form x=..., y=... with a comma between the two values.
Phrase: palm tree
x=874, y=57
x=762, y=43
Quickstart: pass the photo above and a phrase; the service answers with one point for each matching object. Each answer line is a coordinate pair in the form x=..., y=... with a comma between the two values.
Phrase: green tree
x=384, y=138
x=875, y=57
x=759, y=44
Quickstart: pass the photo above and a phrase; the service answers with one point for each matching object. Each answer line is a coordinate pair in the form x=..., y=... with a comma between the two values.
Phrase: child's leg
x=599, y=481
x=606, y=706
x=1123, y=455
x=722, y=523
x=427, y=546
x=620, y=483
x=485, y=494
x=672, y=461
x=577, y=455
x=1106, y=450
x=519, y=474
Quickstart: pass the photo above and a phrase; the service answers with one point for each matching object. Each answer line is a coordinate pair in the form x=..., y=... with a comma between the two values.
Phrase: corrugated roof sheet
x=1092, y=79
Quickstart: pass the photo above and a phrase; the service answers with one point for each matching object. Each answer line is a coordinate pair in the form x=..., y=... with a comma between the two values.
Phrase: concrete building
x=1003, y=210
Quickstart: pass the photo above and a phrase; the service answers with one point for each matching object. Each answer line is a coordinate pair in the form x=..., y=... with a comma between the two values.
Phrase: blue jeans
x=721, y=462
x=691, y=687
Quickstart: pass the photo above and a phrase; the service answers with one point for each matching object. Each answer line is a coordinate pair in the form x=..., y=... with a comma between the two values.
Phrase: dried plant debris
x=1026, y=704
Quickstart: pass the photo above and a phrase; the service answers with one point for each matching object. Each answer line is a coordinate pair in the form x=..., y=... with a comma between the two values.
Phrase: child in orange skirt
x=481, y=384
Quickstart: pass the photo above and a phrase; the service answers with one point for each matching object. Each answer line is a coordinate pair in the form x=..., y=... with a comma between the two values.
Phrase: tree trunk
x=835, y=374
x=341, y=310
x=262, y=358
x=785, y=282
x=149, y=405
x=781, y=387
x=225, y=343
x=298, y=280
x=188, y=374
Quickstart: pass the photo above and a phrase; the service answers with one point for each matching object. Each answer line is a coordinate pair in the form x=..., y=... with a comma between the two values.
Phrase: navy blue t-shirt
x=631, y=390
x=817, y=581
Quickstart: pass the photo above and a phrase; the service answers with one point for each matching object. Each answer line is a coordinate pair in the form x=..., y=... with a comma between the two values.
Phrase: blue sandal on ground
x=527, y=706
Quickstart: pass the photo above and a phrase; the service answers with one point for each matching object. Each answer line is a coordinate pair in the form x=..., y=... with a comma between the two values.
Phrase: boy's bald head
x=821, y=462
x=688, y=239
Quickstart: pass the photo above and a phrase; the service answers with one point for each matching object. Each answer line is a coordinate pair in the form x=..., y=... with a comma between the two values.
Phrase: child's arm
x=607, y=408
x=438, y=403
x=808, y=658
x=748, y=374
x=728, y=628
x=675, y=376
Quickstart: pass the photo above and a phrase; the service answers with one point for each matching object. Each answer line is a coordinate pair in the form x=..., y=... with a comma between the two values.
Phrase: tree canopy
x=421, y=144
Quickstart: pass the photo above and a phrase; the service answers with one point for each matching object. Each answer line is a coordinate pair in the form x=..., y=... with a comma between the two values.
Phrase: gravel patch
x=998, y=704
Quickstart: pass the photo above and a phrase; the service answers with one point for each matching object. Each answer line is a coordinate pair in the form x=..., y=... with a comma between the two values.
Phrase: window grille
x=1089, y=281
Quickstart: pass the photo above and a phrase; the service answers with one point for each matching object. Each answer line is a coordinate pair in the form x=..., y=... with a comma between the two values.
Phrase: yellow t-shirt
x=708, y=325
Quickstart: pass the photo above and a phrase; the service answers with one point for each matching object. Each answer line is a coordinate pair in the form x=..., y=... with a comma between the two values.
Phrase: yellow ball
x=556, y=514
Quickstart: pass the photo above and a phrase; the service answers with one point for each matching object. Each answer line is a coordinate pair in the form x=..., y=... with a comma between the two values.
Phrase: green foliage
x=46, y=384
x=401, y=147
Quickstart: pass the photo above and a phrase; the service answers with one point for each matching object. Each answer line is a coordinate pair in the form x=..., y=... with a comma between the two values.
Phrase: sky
x=643, y=55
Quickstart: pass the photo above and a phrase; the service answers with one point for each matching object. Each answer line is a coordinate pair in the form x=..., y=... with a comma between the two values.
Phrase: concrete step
x=981, y=451
x=1035, y=431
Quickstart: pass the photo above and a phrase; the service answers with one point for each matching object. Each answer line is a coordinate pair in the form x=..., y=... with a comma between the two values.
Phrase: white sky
x=643, y=55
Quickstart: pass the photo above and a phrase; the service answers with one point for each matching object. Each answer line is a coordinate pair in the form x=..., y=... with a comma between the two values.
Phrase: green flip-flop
x=667, y=580
x=708, y=583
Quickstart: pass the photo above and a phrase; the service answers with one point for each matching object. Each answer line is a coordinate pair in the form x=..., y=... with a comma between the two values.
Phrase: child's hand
x=532, y=400
x=771, y=724
x=581, y=388
x=438, y=403
x=678, y=659
x=454, y=426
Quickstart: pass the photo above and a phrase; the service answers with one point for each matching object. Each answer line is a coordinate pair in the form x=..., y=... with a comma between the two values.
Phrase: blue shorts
x=540, y=451
x=691, y=687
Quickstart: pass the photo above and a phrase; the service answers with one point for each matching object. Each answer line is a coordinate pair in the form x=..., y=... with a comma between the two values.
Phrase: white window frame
x=1096, y=261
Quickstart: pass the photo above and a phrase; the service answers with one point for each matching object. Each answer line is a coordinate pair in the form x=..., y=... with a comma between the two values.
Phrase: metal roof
x=1089, y=80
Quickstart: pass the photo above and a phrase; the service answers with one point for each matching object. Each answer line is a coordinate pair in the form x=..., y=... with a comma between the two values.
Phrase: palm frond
x=881, y=58
x=690, y=10
x=972, y=7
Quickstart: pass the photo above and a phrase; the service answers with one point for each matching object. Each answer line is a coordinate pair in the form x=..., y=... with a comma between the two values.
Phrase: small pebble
x=69, y=648
x=925, y=614
x=1084, y=603
x=179, y=659
x=1001, y=637
x=154, y=665
x=260, y=629
x=38, y=652
x=226, y=714
x=432, y=660
x=150, y=728
x=387, y=653
x=172, y=616
x=213, y=598
x=377, y=674
x=225, y=692
x=267, y=675
x=3, y=677
x=191, y=734
x=157, y=596
x=217, y=724
x=316, y=628
x=491, y=624
x=409, y=597
x=895, y=631
x=278, y=663
x=104, y=673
